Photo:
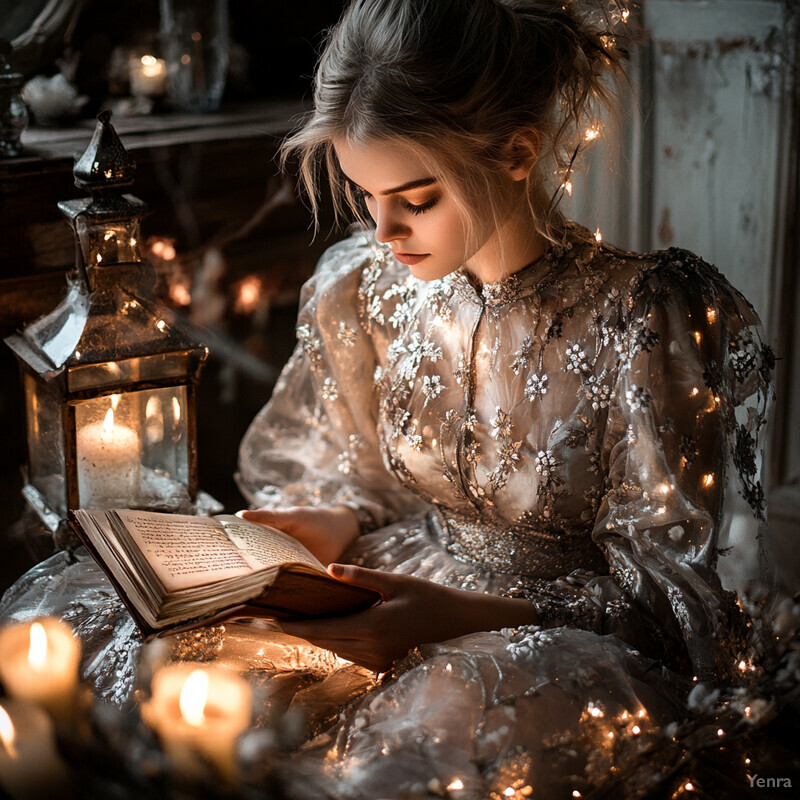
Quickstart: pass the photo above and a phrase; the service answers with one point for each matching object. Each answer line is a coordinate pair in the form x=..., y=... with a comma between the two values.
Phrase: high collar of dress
x=538, y=273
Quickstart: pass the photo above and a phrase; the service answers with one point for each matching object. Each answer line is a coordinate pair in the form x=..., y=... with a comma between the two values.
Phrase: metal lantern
x=109, y=376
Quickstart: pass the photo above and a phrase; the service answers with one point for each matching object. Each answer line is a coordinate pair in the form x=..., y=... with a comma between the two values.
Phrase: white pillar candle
x=109, y=458
x=199, y=712
x=30, y=766
x=39, y=663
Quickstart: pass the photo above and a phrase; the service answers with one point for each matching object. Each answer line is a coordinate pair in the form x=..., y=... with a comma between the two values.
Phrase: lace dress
x=587, y=434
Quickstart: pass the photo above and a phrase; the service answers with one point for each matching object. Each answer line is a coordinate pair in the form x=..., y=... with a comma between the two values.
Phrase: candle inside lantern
x=39, y=663
x=30, y=767
x=199, y=713
x=109, y=458
x=148, y=76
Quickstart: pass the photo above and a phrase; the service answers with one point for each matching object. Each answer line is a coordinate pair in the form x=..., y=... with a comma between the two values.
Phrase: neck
x=514, y=245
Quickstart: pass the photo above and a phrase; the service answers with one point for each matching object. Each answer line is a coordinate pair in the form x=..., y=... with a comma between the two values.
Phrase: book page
x=183, y=550
x=267, y=546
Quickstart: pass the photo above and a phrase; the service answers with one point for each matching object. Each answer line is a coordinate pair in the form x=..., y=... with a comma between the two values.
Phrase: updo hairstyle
x=453, y=80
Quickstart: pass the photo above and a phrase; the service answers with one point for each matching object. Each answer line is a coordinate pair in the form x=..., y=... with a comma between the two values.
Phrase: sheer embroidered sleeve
x=315, y=442
x=683, y=519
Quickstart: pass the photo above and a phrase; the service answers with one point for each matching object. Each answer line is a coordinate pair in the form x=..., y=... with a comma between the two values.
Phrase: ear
x=521, y=152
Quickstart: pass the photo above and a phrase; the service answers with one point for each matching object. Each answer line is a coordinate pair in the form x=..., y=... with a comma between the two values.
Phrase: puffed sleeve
x=683, y=519
x=315, y=441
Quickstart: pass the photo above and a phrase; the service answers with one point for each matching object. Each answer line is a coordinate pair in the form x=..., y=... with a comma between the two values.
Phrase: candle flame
x=108, y=422
x=598, y=236
x=193, y=698
x=7, y=733
x=176, y=410
x=37, y=653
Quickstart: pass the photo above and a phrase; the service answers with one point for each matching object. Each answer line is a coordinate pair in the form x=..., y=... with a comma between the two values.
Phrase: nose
x=388, y=227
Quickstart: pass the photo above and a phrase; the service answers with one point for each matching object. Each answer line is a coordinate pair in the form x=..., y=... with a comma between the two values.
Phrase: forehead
x=379, y=166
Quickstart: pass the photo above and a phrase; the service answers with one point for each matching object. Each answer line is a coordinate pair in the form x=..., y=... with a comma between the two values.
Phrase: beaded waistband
x=516, y=551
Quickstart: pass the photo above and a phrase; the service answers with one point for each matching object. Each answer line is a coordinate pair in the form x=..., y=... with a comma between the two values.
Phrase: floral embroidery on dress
x=347, y=336
x=535, y=387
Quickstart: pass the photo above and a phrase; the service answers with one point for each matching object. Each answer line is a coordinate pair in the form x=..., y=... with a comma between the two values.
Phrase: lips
x=410, y=258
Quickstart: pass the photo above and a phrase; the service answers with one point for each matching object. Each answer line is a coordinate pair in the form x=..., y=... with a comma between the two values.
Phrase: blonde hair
x=454, y=80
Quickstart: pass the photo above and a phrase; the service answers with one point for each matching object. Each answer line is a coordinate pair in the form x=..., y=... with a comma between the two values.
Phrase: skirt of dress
x=505, y=714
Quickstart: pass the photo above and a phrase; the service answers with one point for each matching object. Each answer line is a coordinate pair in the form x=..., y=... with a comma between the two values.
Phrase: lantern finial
x=106, y=163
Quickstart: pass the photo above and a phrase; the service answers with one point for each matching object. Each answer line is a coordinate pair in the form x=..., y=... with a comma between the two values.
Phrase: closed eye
x=413, y=208
x=422, y=208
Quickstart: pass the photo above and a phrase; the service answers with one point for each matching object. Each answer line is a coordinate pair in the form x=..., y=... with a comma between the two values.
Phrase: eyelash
x=410, y=207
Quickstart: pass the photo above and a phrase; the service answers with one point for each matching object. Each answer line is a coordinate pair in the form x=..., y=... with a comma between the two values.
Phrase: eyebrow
x=406, y=187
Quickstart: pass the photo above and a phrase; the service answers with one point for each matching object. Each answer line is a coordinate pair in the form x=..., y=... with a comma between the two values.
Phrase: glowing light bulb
x=720, y=732
x=689, y=786
x=742, y=666
x=695, y=391
x=161, y=325
x=456, y=785
x=625, y=14
x=708, y=479
x=508, y=791
x=636, y=730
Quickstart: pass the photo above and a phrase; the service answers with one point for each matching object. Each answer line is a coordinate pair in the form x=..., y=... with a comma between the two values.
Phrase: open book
x=174, y=572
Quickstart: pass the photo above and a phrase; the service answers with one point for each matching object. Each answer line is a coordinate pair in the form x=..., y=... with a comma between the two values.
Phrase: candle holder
x=109, y=376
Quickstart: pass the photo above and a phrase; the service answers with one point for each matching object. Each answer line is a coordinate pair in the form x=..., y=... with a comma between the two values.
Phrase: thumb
x=384, y=582
x=263, y=516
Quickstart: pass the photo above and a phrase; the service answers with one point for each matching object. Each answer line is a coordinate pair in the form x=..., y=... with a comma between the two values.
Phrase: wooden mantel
x=201, y=175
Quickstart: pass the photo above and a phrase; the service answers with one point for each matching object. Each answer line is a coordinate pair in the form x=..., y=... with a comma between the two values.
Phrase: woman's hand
x=414, y=611
x=326, y=531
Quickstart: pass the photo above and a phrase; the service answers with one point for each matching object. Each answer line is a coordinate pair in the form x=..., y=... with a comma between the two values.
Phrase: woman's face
x=413, y=213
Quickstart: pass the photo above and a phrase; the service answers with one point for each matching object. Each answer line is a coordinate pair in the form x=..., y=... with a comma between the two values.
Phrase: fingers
x=273, y=517
x=387, y=583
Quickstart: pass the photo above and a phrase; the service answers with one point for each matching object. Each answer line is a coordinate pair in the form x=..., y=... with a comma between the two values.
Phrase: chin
x=431, y=272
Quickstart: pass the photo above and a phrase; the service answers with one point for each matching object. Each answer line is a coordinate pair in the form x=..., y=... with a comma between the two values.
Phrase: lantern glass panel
x=44, y=420
x=131, y=370
x=133, y=448
x=110, y=243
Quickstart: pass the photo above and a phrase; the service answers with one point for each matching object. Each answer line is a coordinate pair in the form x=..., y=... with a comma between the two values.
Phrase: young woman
x=543, y=451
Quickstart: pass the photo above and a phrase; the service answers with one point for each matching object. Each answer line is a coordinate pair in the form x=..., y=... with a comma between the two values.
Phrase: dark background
x=273, y=55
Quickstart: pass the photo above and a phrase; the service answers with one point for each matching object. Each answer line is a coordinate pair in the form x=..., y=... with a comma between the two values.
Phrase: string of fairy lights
x=616, y=12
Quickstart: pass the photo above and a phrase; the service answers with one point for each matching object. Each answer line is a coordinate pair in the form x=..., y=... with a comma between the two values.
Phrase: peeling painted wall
x=701, y=155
